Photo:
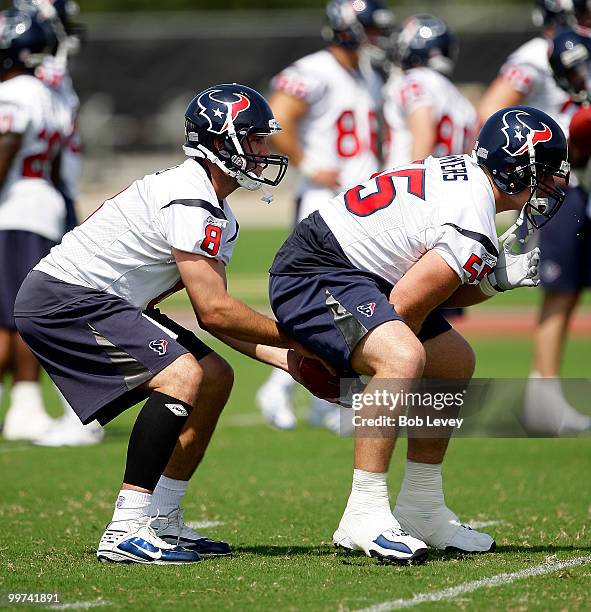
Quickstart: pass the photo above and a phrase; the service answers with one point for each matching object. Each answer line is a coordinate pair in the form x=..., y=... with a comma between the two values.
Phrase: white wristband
x=486, y=287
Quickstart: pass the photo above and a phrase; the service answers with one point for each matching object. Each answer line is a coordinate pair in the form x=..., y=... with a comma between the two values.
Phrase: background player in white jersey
x=359, y=281
x=53, y=71
x=87, y=311
x=328, y=105
x=526, y=77
x=565, y=265
x=425, y=113
x=34, y=124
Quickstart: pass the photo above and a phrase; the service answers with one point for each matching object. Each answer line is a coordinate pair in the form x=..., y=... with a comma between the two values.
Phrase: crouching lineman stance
x=357, y=284
x=87, y=312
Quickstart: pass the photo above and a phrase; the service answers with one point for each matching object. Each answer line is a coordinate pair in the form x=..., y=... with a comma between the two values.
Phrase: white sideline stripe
x=480, y=524
x=204, y=524
x=79, y=605
x=469, y=587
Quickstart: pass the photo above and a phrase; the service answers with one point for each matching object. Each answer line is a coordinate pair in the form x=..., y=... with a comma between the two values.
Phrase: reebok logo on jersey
x=159, y=346
x=367, y=309
x=177, y=409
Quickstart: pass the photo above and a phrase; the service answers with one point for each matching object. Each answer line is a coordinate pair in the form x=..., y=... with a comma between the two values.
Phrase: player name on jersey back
x=388, y=223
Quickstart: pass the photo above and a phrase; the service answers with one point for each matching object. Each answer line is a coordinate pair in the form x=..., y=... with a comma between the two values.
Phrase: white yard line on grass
x=79, y=605
x=204, y=524
x=480, y=524
x=6, y=448
x=469, y=587
x=243, y=420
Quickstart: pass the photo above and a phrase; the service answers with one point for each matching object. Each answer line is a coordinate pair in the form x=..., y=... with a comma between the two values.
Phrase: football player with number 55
x=359, y=283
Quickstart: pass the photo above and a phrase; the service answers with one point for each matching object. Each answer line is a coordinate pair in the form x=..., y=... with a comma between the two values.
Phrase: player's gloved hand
x=512, y=270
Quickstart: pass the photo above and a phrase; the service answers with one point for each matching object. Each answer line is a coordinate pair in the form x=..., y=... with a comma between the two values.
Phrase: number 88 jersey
x=340, y=129
x=453, y=114
x=28, y=200
x=386, y=224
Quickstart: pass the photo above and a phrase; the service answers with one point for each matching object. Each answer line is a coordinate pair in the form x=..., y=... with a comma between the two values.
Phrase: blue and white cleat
x=134, y=541
x=172, y=529
x=390, y=544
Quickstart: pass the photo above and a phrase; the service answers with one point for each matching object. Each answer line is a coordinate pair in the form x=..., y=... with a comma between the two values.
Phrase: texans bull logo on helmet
x=216, y=112
x=518, y=127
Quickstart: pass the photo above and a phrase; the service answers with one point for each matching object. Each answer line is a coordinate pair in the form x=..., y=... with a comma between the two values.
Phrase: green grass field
x=277, y=497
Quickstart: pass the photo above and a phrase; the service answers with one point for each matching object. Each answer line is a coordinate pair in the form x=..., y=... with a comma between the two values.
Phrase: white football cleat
x=328, y=415
x=69, y=432
x=546, y=411
x=25, y=422
x=442, y=529
x=134, y=541
x=172, y=529
x=380, y=536
x=276, y=406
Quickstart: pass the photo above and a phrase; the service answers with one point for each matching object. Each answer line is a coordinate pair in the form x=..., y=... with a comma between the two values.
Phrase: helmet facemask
x=544, y=200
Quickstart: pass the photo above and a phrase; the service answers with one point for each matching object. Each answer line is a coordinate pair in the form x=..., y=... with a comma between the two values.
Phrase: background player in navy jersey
x=359, y=282
x=565, y=244
x=87, y=312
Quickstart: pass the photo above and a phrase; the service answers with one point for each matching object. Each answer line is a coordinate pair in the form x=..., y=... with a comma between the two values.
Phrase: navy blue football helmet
x=426, y=41
x=551, y=12
x=218, y=122
x=522, y=147
x=351, y=23
x=570, y=60
x=24, y=40
x=59, y=15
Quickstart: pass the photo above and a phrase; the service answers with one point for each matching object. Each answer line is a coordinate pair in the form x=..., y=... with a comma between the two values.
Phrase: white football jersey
x=71, y=161
x=340, y=129
x=29, y=200
x=125, y=247
x=387, y=224
x=528, y=71
x=454, y=115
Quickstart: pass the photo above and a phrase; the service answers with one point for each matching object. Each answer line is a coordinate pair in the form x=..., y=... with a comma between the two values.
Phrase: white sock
x=422, y=486
x=280, y=378
x=26, y=394
x=167, y=495
x=131, y=505
x=369, y=492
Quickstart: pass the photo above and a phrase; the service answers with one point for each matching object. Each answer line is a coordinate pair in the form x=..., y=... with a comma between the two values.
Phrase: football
x=318, y=380
x=580, y=130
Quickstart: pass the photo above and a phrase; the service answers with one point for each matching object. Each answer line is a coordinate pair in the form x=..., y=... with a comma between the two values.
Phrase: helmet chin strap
x=540, y=203
x=522, y=218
